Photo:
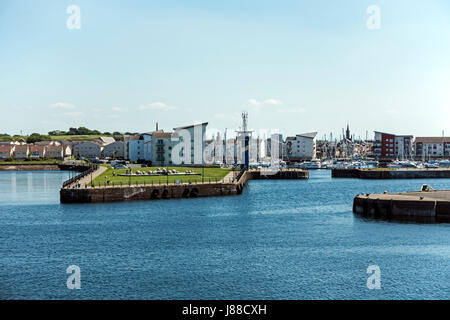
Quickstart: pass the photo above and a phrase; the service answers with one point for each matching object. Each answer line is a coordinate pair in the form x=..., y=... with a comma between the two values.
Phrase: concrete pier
x=86, y=194
x=429, y=206
x=402, y=173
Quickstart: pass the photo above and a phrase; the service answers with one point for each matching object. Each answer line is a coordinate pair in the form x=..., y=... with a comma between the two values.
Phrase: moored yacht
x=313, y=164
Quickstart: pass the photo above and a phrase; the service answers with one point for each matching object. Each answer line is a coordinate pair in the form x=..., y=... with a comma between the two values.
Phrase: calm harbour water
x=279, y=240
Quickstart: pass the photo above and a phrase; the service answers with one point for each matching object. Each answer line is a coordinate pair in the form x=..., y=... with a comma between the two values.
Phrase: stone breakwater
x=172, y=191
x=431, y=206
x=391, y=173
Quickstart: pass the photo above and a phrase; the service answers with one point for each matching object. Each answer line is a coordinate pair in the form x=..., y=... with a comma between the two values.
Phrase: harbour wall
x=171, y=191
x=391, y=174
x=402, y=208
x=156, y=192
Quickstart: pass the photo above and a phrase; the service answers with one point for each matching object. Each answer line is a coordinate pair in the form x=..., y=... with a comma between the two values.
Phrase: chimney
x=157, y=126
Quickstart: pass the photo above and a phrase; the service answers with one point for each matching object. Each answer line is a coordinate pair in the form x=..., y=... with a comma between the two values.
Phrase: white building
x=88, y=149
x=37, y=152
x=114, y=150
x=301, y=147
x=195, y=147
x=21, y=151
x=6, y=151
x=54, y=151
x=432, y=147
x=138, y=147
x=158, y=146
x=162, y=146
x=93, y=148
x=277, y=140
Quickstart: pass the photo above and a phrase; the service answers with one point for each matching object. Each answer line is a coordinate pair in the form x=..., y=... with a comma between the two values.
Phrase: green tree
x=83, y=131
x=36, y=137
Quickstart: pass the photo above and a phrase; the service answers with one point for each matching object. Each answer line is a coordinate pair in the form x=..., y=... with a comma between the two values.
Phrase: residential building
x=387, y=145
x=404, y=146
x=157, y=146
x=37, y=151
x=93, y=148
x=21, y=151
x=197, y=144
x=6, y=151
x=67, y=149
x=301, y=147
x=432, y=147
x=114, y=150
x=138, y=147
x=54, y=151
x=88, y=149
x=162, y=145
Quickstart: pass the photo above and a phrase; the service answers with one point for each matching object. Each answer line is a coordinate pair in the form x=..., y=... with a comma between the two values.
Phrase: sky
x=294, y=66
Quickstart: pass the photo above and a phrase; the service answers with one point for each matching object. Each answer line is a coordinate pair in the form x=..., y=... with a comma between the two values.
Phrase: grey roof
x=107, y=140
x=311, y=135
x=190, y=126
x=432, y=140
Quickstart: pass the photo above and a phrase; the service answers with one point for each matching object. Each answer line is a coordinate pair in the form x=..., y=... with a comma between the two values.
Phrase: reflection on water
x=30, y=187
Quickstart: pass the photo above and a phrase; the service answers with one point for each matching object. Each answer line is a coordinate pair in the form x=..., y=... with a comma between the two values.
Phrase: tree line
x=81, y=131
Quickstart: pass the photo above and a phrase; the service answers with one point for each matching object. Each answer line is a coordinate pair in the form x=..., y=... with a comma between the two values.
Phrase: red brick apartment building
x=388, y=146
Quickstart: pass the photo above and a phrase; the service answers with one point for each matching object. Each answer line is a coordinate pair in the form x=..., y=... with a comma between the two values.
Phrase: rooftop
x=432, y=140
x=193, y=125
x=162, y=135
x=6, y=148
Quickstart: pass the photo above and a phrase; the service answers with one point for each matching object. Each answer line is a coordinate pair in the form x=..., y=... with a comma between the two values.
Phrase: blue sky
x=296, y=66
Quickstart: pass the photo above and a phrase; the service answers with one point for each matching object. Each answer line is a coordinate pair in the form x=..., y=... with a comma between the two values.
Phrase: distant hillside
x=81, y=133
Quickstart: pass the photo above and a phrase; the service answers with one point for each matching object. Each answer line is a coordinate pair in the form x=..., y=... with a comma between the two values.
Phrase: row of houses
x=99, y=148
x=387, y=145
x=25, y=151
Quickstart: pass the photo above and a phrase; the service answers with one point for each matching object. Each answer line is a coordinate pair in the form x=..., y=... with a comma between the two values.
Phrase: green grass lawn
x=211, y=175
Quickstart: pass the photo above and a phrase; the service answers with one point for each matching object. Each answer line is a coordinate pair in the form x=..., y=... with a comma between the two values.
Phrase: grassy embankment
x=211, y=175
